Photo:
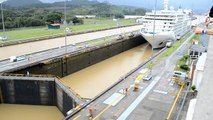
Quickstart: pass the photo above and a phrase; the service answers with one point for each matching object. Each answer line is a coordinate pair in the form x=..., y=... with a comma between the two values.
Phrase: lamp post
x=153, y=35
x=2, y=17
x=154, y=21
x=65, y=24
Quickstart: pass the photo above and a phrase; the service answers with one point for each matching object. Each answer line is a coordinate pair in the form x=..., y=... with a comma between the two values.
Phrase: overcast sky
x=203, y=5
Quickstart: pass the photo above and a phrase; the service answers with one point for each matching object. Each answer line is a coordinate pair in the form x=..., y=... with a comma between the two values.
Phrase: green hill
x=30, y=13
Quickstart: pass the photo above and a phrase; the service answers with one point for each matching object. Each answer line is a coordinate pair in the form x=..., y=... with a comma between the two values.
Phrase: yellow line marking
x=175, y=102
x=142, y=75
x=77, y=108
x=110, y=105
x=77, y=117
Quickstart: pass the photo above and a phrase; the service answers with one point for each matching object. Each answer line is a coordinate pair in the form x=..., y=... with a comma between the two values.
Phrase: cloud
x=198, y=5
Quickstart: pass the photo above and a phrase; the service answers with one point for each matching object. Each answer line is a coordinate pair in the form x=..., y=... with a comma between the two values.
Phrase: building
x=85, y=16
x=195, y=51
x=132, y=16
x=54, y=26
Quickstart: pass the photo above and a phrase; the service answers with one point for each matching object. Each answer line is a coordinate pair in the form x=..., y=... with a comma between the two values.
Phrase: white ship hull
x=159, y=40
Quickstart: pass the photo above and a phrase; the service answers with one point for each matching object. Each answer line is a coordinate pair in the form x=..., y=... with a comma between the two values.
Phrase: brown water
x=92, y=80
x=29, y=112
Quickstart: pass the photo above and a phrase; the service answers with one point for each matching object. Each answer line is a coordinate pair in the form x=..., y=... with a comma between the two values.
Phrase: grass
x=180, y=62
x=89, y=24
x=174, y=47
x=96, y=41
x=105, y=40
x=196, y=37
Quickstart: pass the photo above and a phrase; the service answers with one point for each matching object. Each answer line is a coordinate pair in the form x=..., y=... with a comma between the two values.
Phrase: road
x=32, y=47
x=31, y=59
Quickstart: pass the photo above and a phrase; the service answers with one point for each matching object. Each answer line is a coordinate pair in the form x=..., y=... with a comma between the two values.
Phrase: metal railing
x=28, y=75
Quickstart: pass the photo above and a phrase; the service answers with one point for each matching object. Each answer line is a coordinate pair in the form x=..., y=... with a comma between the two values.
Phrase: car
x=169, y=44
x=15, y=58
x=178, y=37
x=148, y=77
x=131, y=34
x=3, y=38
x=120, y=37
x=179, y=74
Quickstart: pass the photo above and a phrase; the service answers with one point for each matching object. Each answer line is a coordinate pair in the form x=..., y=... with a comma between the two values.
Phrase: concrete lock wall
x=37, y=91
x=27, y=90
x=65, y=98
x=64, y=66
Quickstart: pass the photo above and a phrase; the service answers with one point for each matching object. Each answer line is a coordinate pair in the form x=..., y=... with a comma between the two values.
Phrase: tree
x=37, y=22
x=119, y=16
x=54, y=17
x=140, y=11
x=76, y=20
x=185, y=67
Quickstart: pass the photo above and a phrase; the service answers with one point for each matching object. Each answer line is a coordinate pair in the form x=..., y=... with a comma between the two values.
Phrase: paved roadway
x=152, y=101
x=32, y=47
x=31, y=59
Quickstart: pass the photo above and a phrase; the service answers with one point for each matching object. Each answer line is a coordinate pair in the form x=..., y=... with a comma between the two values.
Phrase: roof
x=56, y=24
x=197, y=48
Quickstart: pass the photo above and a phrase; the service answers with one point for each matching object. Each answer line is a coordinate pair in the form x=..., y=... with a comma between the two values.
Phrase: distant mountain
x=198, y=6
x=78, y=2
x=20, y=3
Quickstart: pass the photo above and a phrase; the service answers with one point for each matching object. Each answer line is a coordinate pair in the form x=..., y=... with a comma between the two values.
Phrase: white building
x=200, y=19
x=132, y=16
x=85, y=16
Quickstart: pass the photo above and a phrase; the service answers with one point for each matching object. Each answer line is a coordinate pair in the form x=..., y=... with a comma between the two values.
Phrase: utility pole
x=154, y=20
x=65, y=24
x=153, y=34
x=2, y=17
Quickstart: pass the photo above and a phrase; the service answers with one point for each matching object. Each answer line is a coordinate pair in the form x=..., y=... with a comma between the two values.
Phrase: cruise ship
x=160, y=26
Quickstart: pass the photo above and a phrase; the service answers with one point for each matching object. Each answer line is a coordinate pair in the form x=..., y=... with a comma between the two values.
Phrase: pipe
x=175, y=102
x=184, y=99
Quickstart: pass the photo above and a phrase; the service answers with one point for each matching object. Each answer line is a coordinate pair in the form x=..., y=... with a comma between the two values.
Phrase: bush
x=185, y=67
x=186, y=57
x=76, y=20
x=119, y=16
x=193, y=88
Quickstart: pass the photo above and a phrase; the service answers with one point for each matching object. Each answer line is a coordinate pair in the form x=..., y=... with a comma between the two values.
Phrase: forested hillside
x=35, y=13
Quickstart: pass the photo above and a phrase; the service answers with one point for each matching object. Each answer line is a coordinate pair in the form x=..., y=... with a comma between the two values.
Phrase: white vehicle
x=162, y=25
x=15, y=59
x=3, y=38
x=12, y=58
x=147, y=77
x=169, y=43
x=179, y=74
x=120, y=37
